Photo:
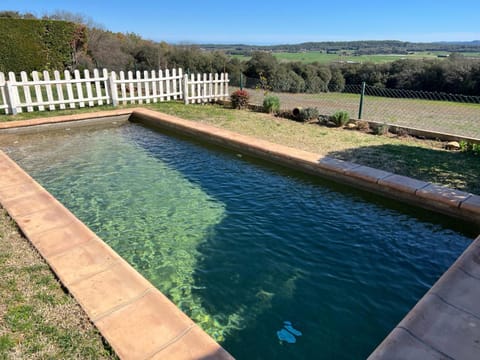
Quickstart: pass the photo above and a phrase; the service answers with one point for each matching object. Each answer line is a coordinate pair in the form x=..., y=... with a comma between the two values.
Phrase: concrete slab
x=443, y=195
x=23, y=189
x=29, y=202
x=109, y=289
x=444, y=328
x=367, y=173
x=460, y=290
x=470, y=261
x=61, y=238
x=402, y=345
x=192, y=346
x=82, y=261
x=144, y=327
x=471, y=204
x=13, y=177
x=402, y=183
x=336, y=165
x=54, y=216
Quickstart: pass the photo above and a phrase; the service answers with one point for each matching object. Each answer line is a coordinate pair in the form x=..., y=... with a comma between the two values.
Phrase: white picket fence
x=40, y=91
x=151, y=87
x=206, y=88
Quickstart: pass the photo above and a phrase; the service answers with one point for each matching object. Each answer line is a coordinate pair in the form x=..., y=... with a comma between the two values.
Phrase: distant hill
x=359, y=47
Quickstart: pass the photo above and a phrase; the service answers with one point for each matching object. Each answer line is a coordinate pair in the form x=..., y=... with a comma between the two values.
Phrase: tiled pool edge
x=414, y=337
x=136, y=319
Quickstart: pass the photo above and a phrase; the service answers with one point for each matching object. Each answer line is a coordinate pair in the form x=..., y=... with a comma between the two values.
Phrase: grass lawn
x=440, y=116
x=38, y=320
x=324, y=58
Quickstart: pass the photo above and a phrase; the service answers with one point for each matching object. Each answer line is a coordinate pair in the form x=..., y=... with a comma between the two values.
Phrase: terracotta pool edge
x=109, y=293
x=423, y=194
x=62, y=119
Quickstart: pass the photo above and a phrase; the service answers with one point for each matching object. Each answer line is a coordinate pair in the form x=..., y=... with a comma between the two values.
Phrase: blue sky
x=276, y=22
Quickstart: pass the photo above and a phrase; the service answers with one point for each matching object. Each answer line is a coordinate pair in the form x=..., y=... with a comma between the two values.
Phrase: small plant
x=240, y=99
x=271, y=104
x=308, y=114
x=380, y=129
x=340, y=118
x=469, y=147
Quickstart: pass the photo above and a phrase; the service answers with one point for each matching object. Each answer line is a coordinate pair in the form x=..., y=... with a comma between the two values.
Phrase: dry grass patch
x=38, y=319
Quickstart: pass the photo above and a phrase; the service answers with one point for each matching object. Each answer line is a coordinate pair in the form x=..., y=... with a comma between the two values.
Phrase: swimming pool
x=242, y=246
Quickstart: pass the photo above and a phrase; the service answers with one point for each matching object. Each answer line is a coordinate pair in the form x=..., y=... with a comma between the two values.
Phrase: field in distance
x=325, y=58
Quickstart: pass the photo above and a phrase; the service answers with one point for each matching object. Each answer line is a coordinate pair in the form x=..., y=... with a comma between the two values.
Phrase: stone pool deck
x=141, y=323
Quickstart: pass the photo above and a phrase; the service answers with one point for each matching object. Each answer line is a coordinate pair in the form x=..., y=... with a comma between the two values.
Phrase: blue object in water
x=291, y=329
x=284, y=335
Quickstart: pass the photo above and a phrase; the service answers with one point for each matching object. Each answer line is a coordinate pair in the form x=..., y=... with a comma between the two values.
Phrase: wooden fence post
x=26, y=91
x=48, y=89
x=113, y=88
x=180, y=81
x=185, y=89
x=226, y=86
x=13, y=100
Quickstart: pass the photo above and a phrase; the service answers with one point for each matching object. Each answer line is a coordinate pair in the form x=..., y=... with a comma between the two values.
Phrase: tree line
x=91, y=46
x=455, y=74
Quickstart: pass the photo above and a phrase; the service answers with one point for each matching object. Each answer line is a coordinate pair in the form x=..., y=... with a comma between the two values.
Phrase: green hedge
x=27, y=45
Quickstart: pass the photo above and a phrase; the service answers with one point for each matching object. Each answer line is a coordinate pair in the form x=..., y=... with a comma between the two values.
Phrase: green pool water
x=242, y=246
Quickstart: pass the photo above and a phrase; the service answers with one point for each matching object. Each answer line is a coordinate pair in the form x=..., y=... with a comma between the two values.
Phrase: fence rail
x=40, y=91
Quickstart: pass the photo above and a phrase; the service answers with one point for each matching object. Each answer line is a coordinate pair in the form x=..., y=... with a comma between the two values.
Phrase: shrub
x=469, y=147
x=271, y=104
x=363, y=125
x=240, y=99
x=380, y=129
x=308, y=114
x=341, y=118
x=29, y=44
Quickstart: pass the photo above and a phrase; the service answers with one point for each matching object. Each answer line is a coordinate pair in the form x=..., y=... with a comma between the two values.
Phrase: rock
x=351, y=126
x=331, y=124
x=452, y=145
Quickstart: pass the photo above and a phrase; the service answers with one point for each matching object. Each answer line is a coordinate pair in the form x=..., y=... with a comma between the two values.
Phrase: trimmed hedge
x=27, y=45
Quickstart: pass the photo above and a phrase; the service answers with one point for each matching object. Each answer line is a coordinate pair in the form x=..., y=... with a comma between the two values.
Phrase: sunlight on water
x=149, y=213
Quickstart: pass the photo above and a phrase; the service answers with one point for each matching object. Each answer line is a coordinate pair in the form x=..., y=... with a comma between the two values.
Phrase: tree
x=261, y=63
x=337, y=81
x=105, y=49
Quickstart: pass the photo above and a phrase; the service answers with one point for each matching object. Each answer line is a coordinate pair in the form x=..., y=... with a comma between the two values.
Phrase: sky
x=274, y=22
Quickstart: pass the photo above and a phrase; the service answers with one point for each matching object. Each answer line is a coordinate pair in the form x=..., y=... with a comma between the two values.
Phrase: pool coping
x=126, y=308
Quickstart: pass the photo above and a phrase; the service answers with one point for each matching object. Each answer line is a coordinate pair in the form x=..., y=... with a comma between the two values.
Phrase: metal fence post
x=362, y=94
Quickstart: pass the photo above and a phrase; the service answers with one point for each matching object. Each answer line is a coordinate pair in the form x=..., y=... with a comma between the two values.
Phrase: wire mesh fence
x=430, y=111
